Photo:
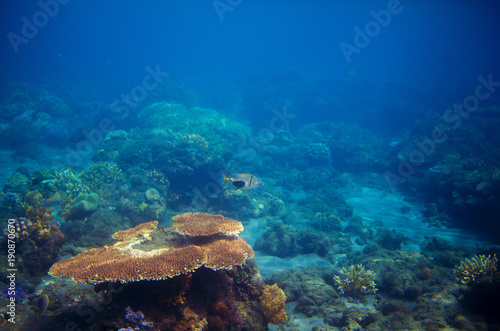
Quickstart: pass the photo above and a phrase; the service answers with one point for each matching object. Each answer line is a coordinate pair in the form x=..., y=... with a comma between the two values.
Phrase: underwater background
x=249, y=165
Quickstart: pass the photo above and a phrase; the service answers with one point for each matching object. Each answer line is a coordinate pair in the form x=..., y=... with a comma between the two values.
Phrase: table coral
x=137, y=257
x=356, y=280
x=476, y=268
x=201, y=224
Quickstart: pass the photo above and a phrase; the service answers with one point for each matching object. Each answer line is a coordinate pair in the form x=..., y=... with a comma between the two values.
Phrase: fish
x=43, y=303
x=56, y=198
x=243, y=181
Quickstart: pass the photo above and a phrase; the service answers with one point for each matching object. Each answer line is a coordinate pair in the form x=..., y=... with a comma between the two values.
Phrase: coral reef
x=273, y=301
x=356, y=280
x=177, y=296
x=283, y=241
x=207, y=126
x=478, y=267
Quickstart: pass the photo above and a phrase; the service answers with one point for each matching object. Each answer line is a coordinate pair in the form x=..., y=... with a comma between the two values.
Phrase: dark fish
x=43, y=303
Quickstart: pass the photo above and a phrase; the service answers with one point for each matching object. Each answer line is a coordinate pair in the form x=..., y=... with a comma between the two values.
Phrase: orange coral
x=273, y=301
x=122, y=263
x=226, y=252
x=125, y=261
x=201, y=224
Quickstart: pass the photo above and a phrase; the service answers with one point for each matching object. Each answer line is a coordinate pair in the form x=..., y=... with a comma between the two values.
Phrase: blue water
x=381, y=111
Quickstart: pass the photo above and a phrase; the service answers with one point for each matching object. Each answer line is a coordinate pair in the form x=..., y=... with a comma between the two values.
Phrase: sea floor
x=372, y=205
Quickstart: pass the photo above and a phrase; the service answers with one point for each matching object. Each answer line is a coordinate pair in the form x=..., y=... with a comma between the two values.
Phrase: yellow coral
x=41, y=218
x=476, y=268
x=143, y=207
x=33, y=199
x=356, y=280
x=273, y=301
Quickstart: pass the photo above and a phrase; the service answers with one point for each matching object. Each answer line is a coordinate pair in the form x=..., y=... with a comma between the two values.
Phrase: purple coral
x=137, y=318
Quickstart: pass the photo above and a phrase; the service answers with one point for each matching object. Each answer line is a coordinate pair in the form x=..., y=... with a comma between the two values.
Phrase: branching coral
x=478, y=267
x=67, y=181
x=97, y=174
x=16, y=182
x=273, y=301
x=356, y=280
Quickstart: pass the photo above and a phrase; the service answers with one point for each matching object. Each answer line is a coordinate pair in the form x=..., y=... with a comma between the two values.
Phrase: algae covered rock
x=85, y=204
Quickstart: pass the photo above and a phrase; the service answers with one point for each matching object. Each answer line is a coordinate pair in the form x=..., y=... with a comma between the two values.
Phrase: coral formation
x=99, y=173
x=41, y=219
x=318, y=152
x=85, y=204
x=127, y=262
x=275, y=205
x=201, y=224
x=356, y=280
x=152, y=195
x=478, y=267
x=16, y=182
x=273, y=301
x=68, y=181
x=283, y=241
x=199, y=127
x=137, y=318
x=22, y=229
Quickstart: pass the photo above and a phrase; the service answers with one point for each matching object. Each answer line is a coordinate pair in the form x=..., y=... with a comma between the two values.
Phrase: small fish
x=43, y=303
x=243, y=181
x=56, y=198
